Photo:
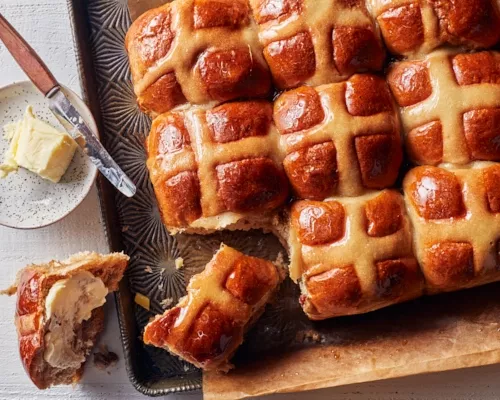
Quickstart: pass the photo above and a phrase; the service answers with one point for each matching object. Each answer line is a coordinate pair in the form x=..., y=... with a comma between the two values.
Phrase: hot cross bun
x=217, y=168
x=455, y=214
x=196, y=51
x=450, y=106
x=352, y=255
x=208, y=324
x=412, y=27
x=317, y=41
x=339, y=139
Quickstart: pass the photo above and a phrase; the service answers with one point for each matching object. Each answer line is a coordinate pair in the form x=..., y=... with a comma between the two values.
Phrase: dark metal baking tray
x=134, y=225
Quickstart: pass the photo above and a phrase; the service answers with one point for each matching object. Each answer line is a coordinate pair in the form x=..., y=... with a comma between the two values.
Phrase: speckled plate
x=26, y=200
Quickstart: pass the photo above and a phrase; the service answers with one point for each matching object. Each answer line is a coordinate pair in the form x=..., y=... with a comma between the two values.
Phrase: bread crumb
x=179, y=263
x=165, y=303
x=148, y=269
x=142, y=300
x=104, y=359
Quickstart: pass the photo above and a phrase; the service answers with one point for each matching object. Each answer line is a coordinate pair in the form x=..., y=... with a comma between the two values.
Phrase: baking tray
x=284, y=343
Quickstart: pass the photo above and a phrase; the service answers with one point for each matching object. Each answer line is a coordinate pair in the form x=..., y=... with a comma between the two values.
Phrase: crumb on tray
x=179, y=263
x=142, y=300
x=104, y=359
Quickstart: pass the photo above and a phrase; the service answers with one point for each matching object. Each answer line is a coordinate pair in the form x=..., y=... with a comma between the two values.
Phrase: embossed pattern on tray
x=153, y=251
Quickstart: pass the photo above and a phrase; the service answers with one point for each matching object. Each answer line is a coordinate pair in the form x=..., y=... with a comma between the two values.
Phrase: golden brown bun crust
x=207, y=325
x=336, y=278
x=384, y=215
x=410, y=82
x=312, y=171
x=402, y=28
x=234, y=121
x=195, y=51
x=207, y=162
x=437, y=193
x=329, y=130
x=297, y=110
x=251, y=185
x=425, y=143
x=314, y=42
x=419, y=27
x=450, y=106
x=491, y=179
x=33, y=284
x=456, y=224
x=449, y=264
x=291, y=60
x=318, y=223
x=472, y=69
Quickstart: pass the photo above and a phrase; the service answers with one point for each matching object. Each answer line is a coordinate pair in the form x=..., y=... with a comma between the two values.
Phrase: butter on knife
x=38, y=147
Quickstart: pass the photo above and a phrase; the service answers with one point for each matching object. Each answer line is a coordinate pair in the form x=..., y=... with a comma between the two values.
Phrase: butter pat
x=38, y=147
x=68, y=303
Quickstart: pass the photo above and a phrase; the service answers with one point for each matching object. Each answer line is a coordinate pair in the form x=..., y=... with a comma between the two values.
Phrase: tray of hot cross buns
x=318, y=185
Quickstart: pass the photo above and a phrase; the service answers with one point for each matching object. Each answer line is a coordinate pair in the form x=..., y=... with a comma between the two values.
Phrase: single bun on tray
x=218, y=168
x=352, y=255
x=317, y=41
x=450, y=106
x=59, y=313
x=339, y=139
x=207, y=326
x=455, y=214
x=196, y=51
x=412, y=27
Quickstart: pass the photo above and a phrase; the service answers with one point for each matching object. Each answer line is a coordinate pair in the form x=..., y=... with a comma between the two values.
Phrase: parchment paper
x=286, y=352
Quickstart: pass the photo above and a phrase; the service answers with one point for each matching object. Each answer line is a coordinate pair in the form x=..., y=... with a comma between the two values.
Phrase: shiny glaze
x=312, y=171
x=251, y=185
x=250, y=280
x=472, y=69
x=395, y=277
x=162, y=95
x=425, y=143
x=410, y=82
x=367, y=95
x=379, y=158
x=449, y=263
x=384, y=215
x=227, y=74
x=334, y=291
x=491, y=181
x=357, y=49
x=234, y=121
x=297, y=110
x=207, y=325
x=475, y=21
x=437, y=194
x=216, y=13
x=172, y=135
x=402, y=28
x=318, y=223
x=179, y=199
x=291, y=60
x=482, y=133
x=267, y=10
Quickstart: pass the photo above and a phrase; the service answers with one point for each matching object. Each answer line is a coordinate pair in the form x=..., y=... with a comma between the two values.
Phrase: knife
x=62, y=108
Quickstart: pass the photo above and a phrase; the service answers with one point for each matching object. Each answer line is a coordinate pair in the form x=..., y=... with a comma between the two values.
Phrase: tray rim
x=78, y=14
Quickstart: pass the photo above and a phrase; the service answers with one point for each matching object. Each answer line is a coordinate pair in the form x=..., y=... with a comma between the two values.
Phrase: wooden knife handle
x=26, y=57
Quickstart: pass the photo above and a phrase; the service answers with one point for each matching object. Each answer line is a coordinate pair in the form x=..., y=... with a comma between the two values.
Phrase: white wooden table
x=45, y=24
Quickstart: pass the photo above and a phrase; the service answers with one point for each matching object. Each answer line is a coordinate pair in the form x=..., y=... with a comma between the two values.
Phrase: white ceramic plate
x=26, y=200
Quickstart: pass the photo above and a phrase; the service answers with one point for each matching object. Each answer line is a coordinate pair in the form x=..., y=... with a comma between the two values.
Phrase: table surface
x=45, y=25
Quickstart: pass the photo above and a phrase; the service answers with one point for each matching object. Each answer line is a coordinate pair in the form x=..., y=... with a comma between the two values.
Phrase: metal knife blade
x=62, y=108
x=73, y=122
